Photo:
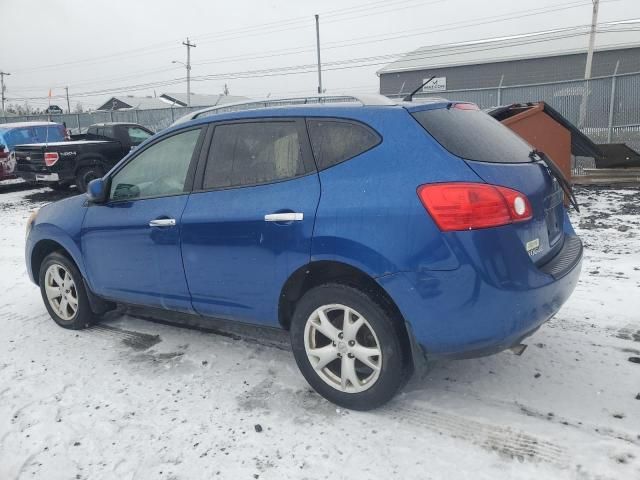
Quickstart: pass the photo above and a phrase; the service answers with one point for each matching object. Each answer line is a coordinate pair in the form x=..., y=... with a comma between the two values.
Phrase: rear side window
x=335, y=141
x=253, y=153
x=474, y=135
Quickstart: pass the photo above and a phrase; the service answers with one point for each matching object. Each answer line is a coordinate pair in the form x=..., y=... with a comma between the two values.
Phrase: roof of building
x=199, y=100
x=140, y=103
x=567, y=41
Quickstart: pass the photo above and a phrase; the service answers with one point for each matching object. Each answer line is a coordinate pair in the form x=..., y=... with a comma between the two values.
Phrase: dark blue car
x=371, y=230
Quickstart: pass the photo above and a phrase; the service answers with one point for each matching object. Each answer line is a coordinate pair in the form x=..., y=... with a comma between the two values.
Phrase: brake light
x=470, y=206
x=466, y=106
x=50, y=158
x=3, y=153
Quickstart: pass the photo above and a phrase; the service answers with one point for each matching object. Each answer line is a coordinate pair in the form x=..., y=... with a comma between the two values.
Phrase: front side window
x=159, y=170
x=334, y=141
x=137, y=135
x=253, y=153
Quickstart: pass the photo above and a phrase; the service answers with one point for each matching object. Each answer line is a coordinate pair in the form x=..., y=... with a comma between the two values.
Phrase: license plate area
x=554, y=213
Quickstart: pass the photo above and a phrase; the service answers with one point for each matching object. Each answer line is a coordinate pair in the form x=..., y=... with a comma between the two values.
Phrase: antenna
x=409, y=98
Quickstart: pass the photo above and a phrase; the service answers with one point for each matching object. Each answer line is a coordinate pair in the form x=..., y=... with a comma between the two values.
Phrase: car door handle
x=163, y=222
x=284, y=217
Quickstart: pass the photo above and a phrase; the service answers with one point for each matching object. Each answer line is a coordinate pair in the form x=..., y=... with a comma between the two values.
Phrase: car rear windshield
x=473, y=135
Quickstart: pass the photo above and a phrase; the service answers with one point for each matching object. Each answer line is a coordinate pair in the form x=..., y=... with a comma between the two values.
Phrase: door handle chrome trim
x=163, y=222
x=284, y=217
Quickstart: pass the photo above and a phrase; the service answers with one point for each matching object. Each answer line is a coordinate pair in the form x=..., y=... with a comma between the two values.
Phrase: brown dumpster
x=547, y=130
x=543, y=133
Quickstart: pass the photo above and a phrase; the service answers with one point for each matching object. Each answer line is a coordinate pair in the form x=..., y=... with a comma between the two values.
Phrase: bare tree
x=79, y=108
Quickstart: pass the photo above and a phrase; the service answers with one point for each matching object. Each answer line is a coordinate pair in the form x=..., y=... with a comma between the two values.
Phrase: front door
x=131, y=243
x=250, y=225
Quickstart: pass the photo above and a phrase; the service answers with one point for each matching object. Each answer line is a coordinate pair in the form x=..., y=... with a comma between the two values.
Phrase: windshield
x=471, y=134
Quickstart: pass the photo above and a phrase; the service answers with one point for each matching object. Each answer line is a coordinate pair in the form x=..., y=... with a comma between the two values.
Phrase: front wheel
x=347, y=347
x=63, y=292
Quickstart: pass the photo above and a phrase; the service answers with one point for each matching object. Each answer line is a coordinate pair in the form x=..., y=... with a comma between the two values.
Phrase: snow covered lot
x=133, y=399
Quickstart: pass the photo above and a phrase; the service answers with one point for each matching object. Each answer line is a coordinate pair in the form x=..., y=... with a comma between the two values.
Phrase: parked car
x=12, y=134
x=86, y=157
x=373, y=232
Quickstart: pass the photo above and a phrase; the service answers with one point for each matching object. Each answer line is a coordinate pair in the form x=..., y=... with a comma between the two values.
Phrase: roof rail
x=364, y=100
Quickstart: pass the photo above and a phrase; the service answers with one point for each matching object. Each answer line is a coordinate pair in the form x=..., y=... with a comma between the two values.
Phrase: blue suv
x=370, y=230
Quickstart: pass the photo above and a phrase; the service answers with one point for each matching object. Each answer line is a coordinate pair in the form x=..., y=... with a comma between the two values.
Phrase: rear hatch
x=501, y=157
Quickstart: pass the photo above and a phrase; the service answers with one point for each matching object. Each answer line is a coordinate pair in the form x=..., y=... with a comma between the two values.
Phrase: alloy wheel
x=343, y=348
x=61, y=291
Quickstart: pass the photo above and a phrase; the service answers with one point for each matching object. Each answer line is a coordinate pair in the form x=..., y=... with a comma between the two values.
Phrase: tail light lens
x=470, y=206
x=3, y=152
x=50, y=158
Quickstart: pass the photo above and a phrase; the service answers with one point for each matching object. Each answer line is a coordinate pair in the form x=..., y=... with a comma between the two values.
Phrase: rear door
x=501, y=157
x=250, y=224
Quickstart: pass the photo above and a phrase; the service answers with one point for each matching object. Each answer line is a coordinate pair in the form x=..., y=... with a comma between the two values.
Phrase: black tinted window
x=253, y=153
x=474, y=135
x=334, y=142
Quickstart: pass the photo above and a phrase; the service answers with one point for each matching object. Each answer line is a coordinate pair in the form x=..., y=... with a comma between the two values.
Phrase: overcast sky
x=101, y=46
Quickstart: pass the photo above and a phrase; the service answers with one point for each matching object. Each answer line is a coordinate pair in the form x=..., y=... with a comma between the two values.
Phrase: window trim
x=307, y=156
x=188, y=183
x=341, y=120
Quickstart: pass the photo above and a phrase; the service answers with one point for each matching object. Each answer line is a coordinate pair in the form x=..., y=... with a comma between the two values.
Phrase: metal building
x=541, y=57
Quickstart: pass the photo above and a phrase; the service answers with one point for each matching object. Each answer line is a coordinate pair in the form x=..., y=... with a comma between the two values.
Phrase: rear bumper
x=43, y=176
x=495, y=299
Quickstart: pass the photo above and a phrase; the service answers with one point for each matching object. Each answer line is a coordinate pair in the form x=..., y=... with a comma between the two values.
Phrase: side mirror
x=98, y=190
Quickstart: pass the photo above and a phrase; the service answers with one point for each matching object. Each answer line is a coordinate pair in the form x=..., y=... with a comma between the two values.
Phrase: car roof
x=7, y=126
x=111, y=124
x=318, y=106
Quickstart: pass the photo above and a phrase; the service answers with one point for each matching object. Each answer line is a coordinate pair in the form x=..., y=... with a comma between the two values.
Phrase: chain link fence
x=612, y=113
x=156, y=119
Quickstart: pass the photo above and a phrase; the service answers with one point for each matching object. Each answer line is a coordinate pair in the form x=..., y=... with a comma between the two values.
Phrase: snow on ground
x=133, y=399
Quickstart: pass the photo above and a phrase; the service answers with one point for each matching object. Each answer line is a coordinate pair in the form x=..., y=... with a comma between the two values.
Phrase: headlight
x=30, y=222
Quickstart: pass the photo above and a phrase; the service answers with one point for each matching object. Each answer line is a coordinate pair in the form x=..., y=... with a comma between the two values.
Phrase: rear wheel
x=63, y=292
x=86, y=174
x=347, y=347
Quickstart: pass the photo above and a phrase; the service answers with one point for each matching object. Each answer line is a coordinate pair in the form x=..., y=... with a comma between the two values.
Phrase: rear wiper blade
x=555, y=172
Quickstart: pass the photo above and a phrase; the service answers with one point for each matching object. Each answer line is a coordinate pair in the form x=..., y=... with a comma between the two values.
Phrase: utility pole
x=189, y=45
x=318, y=48
x=68, y=104
x=2, y=74
x=587, y=69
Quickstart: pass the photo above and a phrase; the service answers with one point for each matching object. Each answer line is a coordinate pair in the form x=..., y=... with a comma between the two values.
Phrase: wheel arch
x=326, y=271
x=40, y=251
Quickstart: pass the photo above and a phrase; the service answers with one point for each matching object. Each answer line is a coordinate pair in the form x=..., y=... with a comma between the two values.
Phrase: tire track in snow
x=505, y=441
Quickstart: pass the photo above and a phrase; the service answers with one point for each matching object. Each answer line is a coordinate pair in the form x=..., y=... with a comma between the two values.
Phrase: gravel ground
x=134, y=399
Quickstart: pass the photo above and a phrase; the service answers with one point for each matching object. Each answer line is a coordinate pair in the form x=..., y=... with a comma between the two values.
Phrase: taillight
x=465, y=106
x=469, y=206
x=3, y=153
x=50, y=158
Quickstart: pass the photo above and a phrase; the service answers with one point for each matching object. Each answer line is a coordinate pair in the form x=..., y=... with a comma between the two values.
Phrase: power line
x=169, y=45
x=366, y=39
x=435, y=52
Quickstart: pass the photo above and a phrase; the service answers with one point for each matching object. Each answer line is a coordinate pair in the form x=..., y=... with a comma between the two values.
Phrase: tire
x=373, y=384
x=59, y=186
x=82, y=316
x=86, y=174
